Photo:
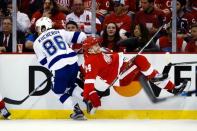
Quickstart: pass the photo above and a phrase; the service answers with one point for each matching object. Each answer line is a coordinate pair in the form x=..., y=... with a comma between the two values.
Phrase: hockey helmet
x=43, y=24
x=90, y=41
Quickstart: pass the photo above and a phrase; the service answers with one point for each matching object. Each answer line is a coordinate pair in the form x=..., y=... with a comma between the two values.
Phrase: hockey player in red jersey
x=108, y=66
x=3, y=110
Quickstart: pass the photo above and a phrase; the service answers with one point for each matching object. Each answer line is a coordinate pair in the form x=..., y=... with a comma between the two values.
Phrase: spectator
x=111, y=37
x=72, y=26
x=6, y=36
x=3, y=8
x=64, y=6
x=122, y=20
x=29, y=40
x=50, y=10
x=139, y=38
x=192, y=43
x=194, y=8
x=82, y=17
x=184, y=18
x=164, y=43
x=30, y=6
x=164, y=5
x=132, y=7
x=150, y=16
x=23, y=21
x=102, y=8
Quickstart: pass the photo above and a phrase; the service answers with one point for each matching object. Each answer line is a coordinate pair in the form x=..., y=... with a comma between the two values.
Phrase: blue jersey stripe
x=75, y=37
x=64, y=97
x=57, y=58
x=43, y=61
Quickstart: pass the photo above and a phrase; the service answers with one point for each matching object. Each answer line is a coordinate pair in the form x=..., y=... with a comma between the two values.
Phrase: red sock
x=152, y=75
x=2, y=105
x=170, y=86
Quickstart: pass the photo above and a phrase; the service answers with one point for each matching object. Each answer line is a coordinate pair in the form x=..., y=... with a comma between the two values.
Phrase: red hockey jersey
x=156, y=17
x=163, y=4
x=101, y=65
x=123, y=21
x=165, y=44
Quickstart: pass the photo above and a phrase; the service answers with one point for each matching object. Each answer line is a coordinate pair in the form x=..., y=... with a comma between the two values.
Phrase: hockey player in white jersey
x=53, y=52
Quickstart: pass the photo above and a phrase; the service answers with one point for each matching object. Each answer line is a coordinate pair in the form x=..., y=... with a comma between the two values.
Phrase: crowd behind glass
x=124, y=25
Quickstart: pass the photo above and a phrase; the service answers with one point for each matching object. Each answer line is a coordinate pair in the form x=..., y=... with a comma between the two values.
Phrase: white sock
x=77, y=93
x=70, y=102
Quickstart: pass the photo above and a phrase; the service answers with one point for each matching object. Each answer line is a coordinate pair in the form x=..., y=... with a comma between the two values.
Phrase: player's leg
x=62, y=87
x=3, y=110
x=159, y=79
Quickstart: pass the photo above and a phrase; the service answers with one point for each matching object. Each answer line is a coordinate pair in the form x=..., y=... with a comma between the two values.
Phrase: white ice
x=98, y=125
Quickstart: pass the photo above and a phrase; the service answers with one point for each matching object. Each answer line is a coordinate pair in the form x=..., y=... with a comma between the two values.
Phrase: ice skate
x=179, y=89
x=5, y=113
x=90, y=109
x=78, y=114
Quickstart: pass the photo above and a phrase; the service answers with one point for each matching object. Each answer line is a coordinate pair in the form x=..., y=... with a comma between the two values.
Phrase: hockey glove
x=90, y=94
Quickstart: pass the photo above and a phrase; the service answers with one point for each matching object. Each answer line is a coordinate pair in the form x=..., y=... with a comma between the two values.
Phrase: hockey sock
x=77, y=93
x=2, y=104
x=169, y=86
x=67, y=100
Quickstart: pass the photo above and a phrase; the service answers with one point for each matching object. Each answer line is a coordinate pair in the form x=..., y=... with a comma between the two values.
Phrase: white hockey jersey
x=52, y=48
x=84, y=21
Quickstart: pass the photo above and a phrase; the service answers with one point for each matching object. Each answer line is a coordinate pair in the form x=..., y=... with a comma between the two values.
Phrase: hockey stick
x=18, y=102
x=131, y=60
x=182, y=63
x=149, y=92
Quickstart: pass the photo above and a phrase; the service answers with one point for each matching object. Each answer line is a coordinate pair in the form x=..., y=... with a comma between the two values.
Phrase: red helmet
x=90, y=41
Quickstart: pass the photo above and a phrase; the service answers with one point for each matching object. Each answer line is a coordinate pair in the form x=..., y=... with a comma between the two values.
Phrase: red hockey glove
x=90, y=94
x=87, y=89
x=95, y=99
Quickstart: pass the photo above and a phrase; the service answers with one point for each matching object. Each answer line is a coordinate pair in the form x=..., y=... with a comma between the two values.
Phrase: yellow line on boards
x=106, y=114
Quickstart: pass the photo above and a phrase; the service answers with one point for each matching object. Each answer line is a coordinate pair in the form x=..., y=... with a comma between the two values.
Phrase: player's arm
x=40, y=54
x=74, y=37
x=90, y=93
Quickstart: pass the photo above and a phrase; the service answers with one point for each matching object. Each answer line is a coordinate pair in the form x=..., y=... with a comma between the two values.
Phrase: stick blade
x=11, y=101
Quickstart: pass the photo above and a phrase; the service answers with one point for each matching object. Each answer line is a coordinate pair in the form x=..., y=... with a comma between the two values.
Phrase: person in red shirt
x=194, y=8
x=50, y=10
x=122, y=20
x=164, y=5
x=164, y=43
x=150, y=16
x=111, y=37
x=106, y=67
x=192, y=44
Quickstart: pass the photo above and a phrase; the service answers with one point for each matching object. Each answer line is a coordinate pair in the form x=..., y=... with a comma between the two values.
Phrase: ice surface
x=98, y=125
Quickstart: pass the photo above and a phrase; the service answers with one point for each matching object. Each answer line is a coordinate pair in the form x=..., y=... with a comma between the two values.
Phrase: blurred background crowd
x=124, y=25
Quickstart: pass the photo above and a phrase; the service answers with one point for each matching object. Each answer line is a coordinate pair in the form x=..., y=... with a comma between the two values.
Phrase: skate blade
x=80, y=119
